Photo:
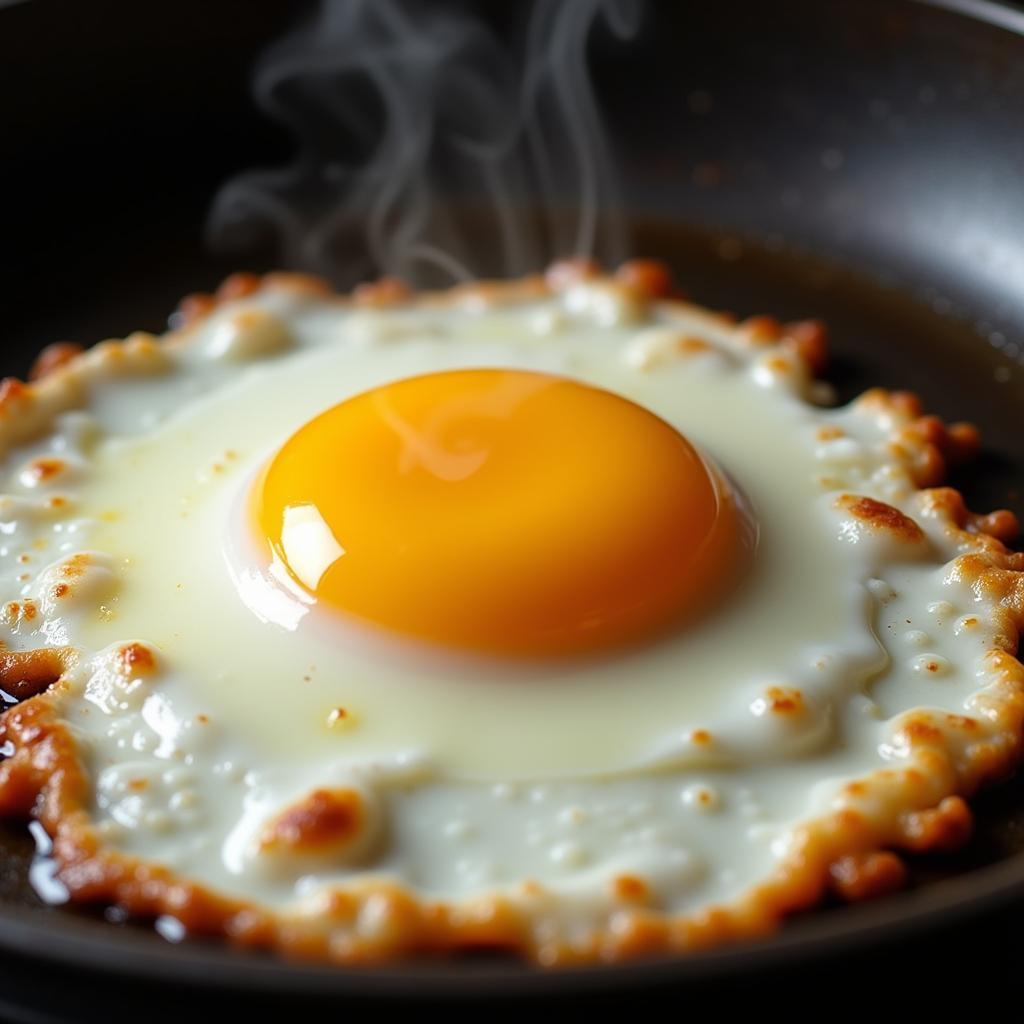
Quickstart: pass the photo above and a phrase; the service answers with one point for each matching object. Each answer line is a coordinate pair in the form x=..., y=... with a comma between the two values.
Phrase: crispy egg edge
x=852, y=851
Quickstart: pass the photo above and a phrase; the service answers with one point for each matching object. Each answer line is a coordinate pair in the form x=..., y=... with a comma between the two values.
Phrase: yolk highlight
x=500, y=511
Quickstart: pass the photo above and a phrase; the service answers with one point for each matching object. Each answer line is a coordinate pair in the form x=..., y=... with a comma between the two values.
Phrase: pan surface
x=856, y=160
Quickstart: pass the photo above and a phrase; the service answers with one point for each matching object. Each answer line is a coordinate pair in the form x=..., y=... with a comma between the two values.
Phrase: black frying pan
x=857, y=160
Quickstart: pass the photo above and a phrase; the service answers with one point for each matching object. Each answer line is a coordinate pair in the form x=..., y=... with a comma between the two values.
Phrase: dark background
x=120, y=120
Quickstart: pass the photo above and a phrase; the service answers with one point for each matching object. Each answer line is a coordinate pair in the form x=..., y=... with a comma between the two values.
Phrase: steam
x=399, y=107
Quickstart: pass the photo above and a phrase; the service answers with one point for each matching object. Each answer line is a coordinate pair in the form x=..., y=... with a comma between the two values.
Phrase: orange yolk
x=500, y=511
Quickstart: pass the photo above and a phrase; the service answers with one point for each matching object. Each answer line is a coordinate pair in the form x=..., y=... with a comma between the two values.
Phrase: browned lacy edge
x=852, y=851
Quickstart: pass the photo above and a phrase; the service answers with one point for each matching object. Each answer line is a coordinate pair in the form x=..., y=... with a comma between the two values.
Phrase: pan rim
x=994, y=12
x=90, y=944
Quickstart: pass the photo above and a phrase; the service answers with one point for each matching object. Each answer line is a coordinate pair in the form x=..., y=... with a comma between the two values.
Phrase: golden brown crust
x=386, y=292
x=650, y=279
x=809, y=340
x=784, y=700
x=845, y=851
x=928, y=446
x=53, y=357
x=198, y=305
x=13, y=392
x=25, y=674
x=193, y=308
x=630, y=889
x=915, y=805
x=323, y=818
x=866, y=876
x=43, y=469
x=948, y=504
x=880, y=516
x=135, y=659
x=566, y=273
x=945, y=827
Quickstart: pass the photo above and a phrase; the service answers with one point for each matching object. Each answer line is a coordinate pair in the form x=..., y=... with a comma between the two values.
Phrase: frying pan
x=856, y=160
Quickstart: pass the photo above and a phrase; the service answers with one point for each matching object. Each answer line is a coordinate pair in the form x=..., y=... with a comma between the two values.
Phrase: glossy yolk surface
x=499, y=511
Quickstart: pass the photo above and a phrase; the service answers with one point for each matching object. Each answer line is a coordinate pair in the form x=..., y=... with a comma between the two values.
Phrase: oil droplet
x=338, y=717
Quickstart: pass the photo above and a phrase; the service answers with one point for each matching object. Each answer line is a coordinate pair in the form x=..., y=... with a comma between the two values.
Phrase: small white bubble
x=234, y=772
x=143, y=741
x=966, y=624
x=568, y=854
x=545, y=322
x=459, y=829
x=170, y=928
x=183, y=799
x=916, y=638
x=572, y=816
x=701, y=798
x=880, y=590
x=930, y=665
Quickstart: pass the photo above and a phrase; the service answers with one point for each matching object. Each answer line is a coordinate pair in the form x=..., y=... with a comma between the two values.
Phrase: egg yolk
x=500, y=511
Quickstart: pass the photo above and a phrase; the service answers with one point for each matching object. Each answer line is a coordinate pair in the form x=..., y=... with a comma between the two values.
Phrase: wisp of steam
x=430, y=147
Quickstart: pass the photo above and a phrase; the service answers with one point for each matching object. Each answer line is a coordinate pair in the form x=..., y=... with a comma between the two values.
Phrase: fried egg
x=557, y=615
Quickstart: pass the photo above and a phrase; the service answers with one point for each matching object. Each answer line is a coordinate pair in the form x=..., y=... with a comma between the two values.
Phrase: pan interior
x=879, y=335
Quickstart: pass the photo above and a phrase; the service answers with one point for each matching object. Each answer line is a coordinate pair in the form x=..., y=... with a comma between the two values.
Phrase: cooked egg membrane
x=686, y=762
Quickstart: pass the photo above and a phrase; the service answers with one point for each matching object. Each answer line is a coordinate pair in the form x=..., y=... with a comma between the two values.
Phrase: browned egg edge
x=850, y=853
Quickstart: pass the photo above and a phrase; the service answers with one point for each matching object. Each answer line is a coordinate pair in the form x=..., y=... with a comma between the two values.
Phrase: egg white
x=669, y=763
